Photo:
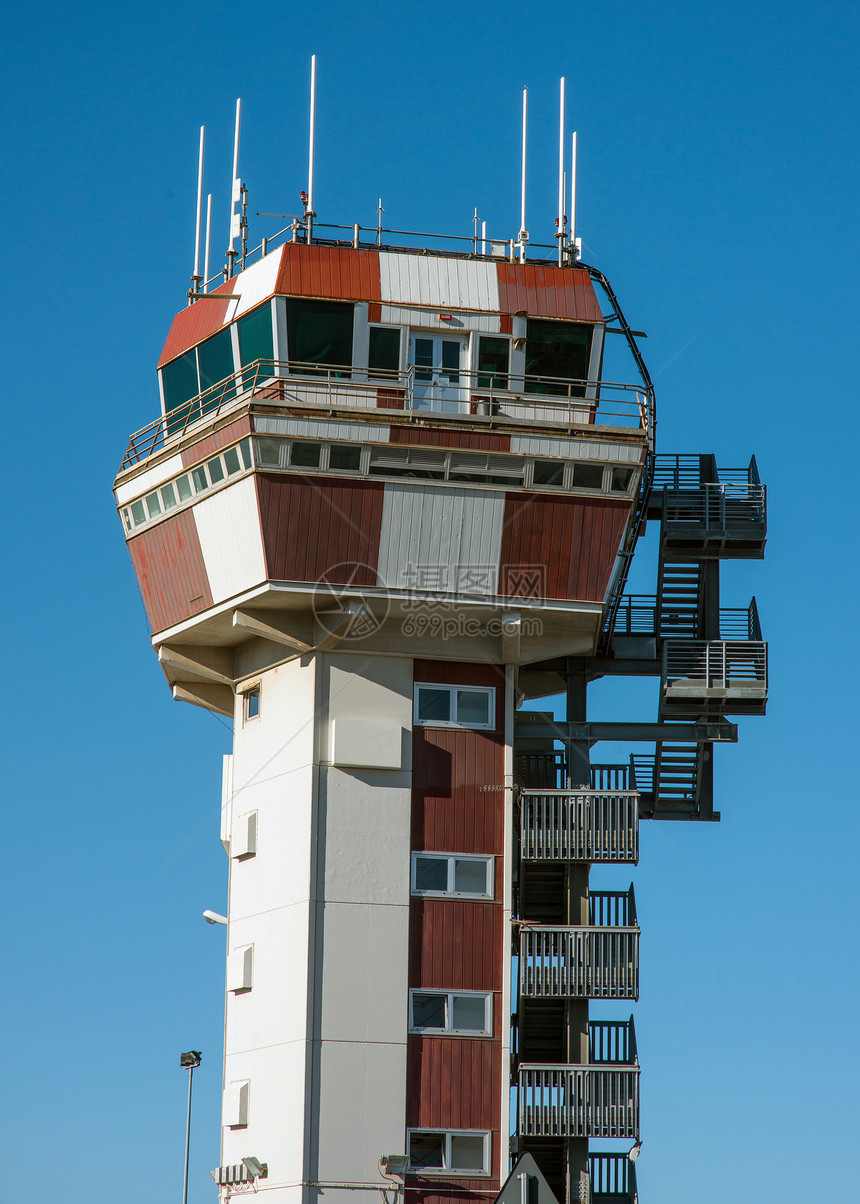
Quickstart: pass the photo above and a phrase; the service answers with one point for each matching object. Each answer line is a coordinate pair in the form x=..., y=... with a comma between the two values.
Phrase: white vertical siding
x=228, y=526
x=426, y=529
x=254, y=285
x=402, y=315
x=436, y=281
x=577, y=449
x=145, y=481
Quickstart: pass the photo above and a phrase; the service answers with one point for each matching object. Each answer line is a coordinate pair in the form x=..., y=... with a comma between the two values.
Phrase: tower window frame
x=455, y=713
x=443, y=1144
x=453, y=889
x=450, y=999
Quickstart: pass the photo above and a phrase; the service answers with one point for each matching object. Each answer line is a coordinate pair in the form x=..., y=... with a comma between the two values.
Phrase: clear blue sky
x=718, y=190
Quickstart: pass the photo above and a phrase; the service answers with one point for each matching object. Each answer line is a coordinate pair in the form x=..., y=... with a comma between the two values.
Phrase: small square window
x=201, y=481
x=138, y=513
x=344, y=456
x=429, y=1011
x=231, y=460
x=620, y=481
x=548, y=472
x=269, y=452
x=441, y=1012
x=470, y=876
x=473, y=708
x=216, y=470
x=183, y=486
x=469, y=1013
x=467, y=1152
x=431, y=874
x=427, y=1151
x=588, y=476
x=168, y=497
x=251, y=703
x=434, y=705
x=305, y=455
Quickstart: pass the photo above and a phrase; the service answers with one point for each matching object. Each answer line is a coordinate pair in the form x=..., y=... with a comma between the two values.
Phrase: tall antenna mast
x=523, y=235
x=236, y=193
x=310, y=212
x=208, y=243
x=575, y=248
x=195, y=278
x=560, y=223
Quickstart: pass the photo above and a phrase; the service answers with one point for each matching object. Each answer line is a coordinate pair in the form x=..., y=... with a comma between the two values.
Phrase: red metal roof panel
x=547, y=292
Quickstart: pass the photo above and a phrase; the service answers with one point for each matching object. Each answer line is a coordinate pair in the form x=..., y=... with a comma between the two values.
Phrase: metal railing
x=612, y=1042
x=716, y=507
x=639, y=614
x=715, y=664
x=579, y=963
x=579, y=826
x=533, y=400
x=612, y=1179
x=548, y=771
x=694, y=471
x=575, y=1101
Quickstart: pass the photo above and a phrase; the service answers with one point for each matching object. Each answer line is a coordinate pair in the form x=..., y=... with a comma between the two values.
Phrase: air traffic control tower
x=388, y=498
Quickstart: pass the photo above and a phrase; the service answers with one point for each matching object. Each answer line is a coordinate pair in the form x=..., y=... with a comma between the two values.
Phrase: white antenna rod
x=573, y=196
x=195, y=279
x=208, y=243
x=483, y=238
x=523, y=235
x=559, y=231
x=311, y=214
x=234, y=194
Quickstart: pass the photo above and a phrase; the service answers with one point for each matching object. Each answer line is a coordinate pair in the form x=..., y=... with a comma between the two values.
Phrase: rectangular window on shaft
x=319, y=332
x=558, y=353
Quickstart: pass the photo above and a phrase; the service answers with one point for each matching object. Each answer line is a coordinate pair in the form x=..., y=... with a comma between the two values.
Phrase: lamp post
x=189, y=1061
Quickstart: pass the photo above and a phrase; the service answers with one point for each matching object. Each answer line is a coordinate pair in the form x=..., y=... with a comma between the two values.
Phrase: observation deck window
x=256, y=340
x=450, y=1012
x=384, y=349
x=558, y=350
x=493, y=362
x=319, y=332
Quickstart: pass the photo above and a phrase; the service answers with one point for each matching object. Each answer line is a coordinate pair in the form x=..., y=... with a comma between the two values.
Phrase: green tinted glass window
x=215, y=357
x=559, y=350
x=548, y=472
x=344, y=456
x=319, y=332
x=255, y=338
x=493, y=355
x=384, y=350
x=179, y=381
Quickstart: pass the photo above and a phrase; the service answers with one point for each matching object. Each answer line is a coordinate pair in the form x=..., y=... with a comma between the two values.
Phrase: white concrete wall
x=321, y=1035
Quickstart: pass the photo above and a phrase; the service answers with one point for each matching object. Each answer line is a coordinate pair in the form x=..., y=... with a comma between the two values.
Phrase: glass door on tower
x=437, y=364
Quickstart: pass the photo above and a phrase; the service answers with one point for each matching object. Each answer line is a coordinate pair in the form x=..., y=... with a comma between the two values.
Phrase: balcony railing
x=638, y=614
x=579, y=963
x=612, y=1179
x=548, y=771
x=531, y=400
x=599, y=960
x=583, y=825
x=578, y=1101
x=690, y=667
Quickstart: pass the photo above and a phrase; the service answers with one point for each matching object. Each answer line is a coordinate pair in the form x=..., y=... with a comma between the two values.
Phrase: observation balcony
x=476, y=397
x=713, y=676
x=582, y=825
x=597, y=1100
x=707, y=512
x=599, y=960
x=612, y=1179
x=644, y=615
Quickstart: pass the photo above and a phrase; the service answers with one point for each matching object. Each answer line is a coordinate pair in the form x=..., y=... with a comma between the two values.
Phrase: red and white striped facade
x=323, y=1072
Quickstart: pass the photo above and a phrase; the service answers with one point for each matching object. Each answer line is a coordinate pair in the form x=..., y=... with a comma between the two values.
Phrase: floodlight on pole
x=213, y=917
x=189, y=1061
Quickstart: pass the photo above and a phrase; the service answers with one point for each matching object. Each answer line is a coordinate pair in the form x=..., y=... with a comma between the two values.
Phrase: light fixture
x=258, y=1169
x=212, y=917
x=634, y=1153
x=190, y=1060
x=394, y=1164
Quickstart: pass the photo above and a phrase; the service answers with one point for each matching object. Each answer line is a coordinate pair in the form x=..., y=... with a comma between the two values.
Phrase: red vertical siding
x=472, y=440
x=458, y=944
x=314, y=526
x=218, y=439
x=195, y=323
x=548, y=292
x=168, y=561
x=573, y=542
x=340, y=273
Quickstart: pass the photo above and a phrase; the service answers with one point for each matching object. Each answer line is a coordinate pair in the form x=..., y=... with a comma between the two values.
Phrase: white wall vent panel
x=366, y=744
x=235, y=1109
x=240, y=969
x=243, y=842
